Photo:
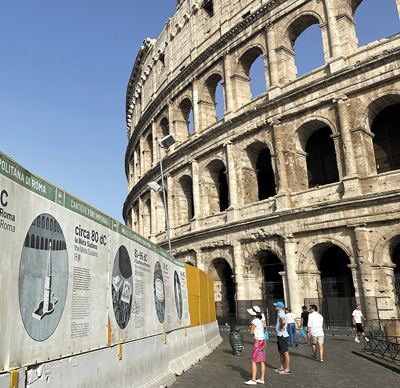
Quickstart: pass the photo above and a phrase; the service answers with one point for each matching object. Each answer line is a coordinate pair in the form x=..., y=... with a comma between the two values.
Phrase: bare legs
x=285, y=359
x=254, y=371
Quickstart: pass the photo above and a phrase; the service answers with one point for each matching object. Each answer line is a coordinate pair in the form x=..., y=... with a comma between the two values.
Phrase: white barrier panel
x=148, y=362
x=68, y=270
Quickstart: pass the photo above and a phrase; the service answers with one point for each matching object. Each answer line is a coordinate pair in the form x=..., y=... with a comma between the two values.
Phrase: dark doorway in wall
x=386, y=129
x=265, y=176
x=321, y=158
x=223, y=190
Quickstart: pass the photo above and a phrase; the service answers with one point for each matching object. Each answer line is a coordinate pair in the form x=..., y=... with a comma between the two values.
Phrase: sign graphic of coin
x=122, y=287
x=178, y=295
x=159, y=297
x=43, y=277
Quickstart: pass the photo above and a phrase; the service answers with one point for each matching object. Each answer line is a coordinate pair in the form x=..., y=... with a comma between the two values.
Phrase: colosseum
x=292, y=194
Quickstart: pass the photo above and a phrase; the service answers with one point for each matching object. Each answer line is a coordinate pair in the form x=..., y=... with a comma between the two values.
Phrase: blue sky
x=64, y=70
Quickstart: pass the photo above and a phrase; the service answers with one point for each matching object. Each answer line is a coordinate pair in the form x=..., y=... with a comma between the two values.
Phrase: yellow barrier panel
x=201, y=296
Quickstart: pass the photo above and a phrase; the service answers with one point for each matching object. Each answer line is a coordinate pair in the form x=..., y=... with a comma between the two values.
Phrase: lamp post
x=165, y=142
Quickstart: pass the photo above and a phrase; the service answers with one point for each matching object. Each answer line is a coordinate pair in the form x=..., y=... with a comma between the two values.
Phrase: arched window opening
x=148, y=152
x=211, y=102
x=185, y=199
x=309, y=50
x=51, y=225
x=265, y=176
x=272, y=286
x=257, y=77
x=184, y=120
x=37, y=244
x=223, y=190
x=27, y=240
x=32, y=241
x=42, y=243
x=224, y=290
x=395, y=256
x=375, y=20
x=219, y=101
x=47, y=223
x=321, y=158
x=164, y=126
x=46, y=244
x=387, y=139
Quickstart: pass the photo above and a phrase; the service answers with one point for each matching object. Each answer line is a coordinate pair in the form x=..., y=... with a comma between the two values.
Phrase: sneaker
x=357, y=340
x=321, y=360
x=250, y=382
x=296, y=344
x=278, y=370
x=366, y=339
x=283, y=372
x=260, y=381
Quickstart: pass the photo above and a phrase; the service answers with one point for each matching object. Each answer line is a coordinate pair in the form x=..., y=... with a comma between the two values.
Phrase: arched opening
x=185, y=200
x=219, y=101
x=309, y=50
x=336, y=288
x=164, y=127
x=32, y=241
x=375, y=20
x=272, y=269
x=211, y=104
x=224, y=289
x=387, y=139
x=257, y=77
x=148, y=152
x=184, y=120
x=265, y=176
x=241, y=81
x=215, y=190
x=395, y=256
x=321, y=158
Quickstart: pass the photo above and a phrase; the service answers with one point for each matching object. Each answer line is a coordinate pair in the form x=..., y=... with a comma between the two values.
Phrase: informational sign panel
x=68, y=272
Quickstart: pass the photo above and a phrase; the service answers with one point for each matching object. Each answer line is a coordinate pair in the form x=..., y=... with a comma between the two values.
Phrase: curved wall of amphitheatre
x=292, y=194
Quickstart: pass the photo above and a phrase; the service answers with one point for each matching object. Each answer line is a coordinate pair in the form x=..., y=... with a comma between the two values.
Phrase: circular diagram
x=178, y=295
x=122, y=287
x=43, y=277
x=159, y=297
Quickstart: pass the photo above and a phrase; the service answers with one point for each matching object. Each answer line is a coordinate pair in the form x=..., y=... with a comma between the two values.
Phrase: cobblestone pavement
x=341, y=368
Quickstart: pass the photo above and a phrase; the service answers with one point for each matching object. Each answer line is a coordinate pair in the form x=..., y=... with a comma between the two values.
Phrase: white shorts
x=319, y=339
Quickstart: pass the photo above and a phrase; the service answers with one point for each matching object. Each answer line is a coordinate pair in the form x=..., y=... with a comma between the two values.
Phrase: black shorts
x=360, y=328
x=283, y=344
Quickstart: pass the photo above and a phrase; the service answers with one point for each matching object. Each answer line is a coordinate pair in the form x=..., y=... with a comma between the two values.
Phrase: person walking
x=282, y=334
x=316, y=332
x=357, y=316
x=291, y=325
x=258, y=355
x=304, y=323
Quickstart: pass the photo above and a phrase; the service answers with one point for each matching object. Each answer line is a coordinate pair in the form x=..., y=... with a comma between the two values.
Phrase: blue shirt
x=279, y=332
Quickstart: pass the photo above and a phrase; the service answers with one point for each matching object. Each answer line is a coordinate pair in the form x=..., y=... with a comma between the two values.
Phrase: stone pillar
x=228, y=89
x=135, y=167
x=169, y=184
x=287, y=69
x=285, y=288
x=232, y=182
x=274, y=87
x=153, y=213
x=197, y=126
x=238, y=272
x=196, y=195
x=350, y=179
x=141, y=219
x=280, y=167
x=291, y=274
x=154, y=160
x=142, y=157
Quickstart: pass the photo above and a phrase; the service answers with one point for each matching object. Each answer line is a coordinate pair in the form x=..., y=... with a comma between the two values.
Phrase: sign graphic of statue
x=159, y=297
x=178, y=295
x=122, y=287
x=43, y=277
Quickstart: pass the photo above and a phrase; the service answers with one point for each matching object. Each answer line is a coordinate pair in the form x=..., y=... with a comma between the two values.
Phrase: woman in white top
x=258, y=355
x=291, y=326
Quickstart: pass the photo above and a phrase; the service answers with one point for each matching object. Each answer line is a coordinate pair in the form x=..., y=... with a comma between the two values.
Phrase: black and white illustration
x=178, y=295
x=122, y=287
x=159, y=294
x=43, y=277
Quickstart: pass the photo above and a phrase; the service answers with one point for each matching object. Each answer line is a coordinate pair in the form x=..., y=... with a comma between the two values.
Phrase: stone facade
x=245, y=202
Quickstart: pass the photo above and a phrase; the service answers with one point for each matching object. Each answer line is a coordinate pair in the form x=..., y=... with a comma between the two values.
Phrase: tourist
x=316, y=332
x=357, y=316
x=291, y=327
x=304, y=323
x=282, y=334
x=258, y=355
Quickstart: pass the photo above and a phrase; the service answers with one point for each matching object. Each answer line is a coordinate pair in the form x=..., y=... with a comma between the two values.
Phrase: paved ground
x=341, y=368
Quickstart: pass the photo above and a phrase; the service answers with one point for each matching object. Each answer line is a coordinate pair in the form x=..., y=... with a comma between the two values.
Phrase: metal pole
x=165, y=199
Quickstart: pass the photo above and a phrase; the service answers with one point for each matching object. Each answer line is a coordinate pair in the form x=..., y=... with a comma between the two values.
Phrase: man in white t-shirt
x=357, y=316
x=316, y=332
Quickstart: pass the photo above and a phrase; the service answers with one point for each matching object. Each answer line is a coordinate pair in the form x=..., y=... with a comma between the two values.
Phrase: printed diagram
x=43, y=277
x=178, y=295
x=46, y=306
x=159, y=297
x=122, y=287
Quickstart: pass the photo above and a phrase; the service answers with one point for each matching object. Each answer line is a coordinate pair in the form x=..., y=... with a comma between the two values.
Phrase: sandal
x=314, y=357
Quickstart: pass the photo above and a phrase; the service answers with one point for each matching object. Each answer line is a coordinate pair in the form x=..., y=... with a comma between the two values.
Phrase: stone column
x=350, y=179
x=280, y=167
x=169, y=184
x=285, y=288
x=153, y=213
x=274, y=87
x=229, y=99
x=291, y=274
x=196, y=195
x=232, y=182
x=142, y=157
x=240, y=297
x=196, y=106
x=141, y=219
x=155, y=144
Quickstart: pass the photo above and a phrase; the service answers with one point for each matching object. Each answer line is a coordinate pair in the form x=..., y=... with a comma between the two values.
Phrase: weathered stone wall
x=179, y=71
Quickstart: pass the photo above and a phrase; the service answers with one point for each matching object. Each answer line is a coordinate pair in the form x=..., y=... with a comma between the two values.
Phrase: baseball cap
x=279, y=304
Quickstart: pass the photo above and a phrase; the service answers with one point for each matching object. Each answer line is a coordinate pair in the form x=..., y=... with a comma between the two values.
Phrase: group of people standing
x=312, y=324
